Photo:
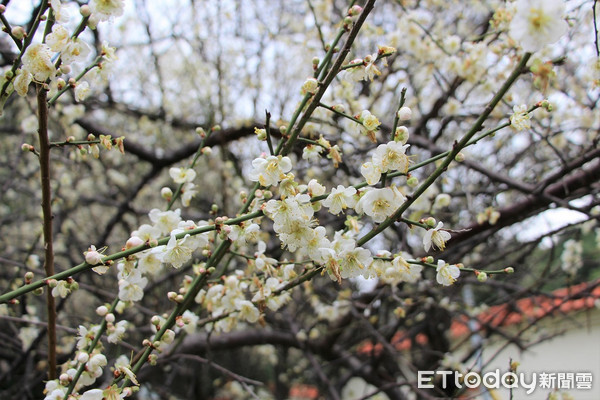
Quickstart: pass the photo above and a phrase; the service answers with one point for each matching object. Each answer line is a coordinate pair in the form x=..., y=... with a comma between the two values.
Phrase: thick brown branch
x=47, y=215
x=576, y=184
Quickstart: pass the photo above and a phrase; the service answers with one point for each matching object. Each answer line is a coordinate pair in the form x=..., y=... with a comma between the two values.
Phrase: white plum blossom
x=356, y=73
x=571, y=257
x=537, y=23
x=354, y=261
x=61, y=13
x=446, y=274
x=59, y=37
x=75, y=50
x=190, y=321
x=371, y=172
x=340, y=198
x=315, y=188
x=380, y=203
x=131, y=287
x=270, y=170
x=37, y=60
x=177, y=252
x=410, y=273
x=247, y=310
x=520, y=118
x=22, y=81
x=104, y=10
x=312, y=152
x=56, y=394
x=318, y=241
x=81, y=91
x=188, y=192
x=182, y=175
x=149, y=263
x=436, y=238
x=147, y=232
x=243, y=234
x=287, y=213
x=369, y=124
x=116, y=331
x=263, y=263
x=391, y=157
x=165, y=221
x=62, y=289
x=371, y=70
x=92, y=394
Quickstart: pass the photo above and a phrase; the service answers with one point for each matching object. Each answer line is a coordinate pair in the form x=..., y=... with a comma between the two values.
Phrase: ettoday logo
x=510, y=380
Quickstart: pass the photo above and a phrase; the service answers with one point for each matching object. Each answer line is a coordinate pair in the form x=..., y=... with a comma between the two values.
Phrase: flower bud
x=460, y=157
x=28, y=277
x=339, y=108
x=166, y=193
x=18, y=32
x=133, y=241
x=404, y=113
x=412, y=182
x=85, y=11
x=481, y=276
x=355, y=10
x=429, y=259
x=102, y=311
x=172, y=296
x=92, y=256
x=509, y=270
x=155, y=320
x=546, y=104
x=110, y=317
x=83, y=357
x=200, y=131
x=430, y=222
x=152, y=358
x=64, y=379
x=206, y=151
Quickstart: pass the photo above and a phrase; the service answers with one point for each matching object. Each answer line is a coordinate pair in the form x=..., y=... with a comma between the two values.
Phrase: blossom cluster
x=53, y=59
